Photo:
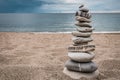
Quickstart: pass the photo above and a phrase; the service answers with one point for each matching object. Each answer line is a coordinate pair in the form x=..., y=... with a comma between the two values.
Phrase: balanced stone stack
x=80, y=52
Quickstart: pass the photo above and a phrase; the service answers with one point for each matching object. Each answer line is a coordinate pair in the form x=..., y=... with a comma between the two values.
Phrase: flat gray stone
x=81, y=57
x=84, y=9
x=83, y=24
x=82, y=5
x=82, y=19
x=79, y=75
x=78, y=40
x=88, y=15
x=80, y=44
x=86, y=67
x=84, y=29
x=81, y=34
x=81, y=48
x=78, y=13
x=83, y=14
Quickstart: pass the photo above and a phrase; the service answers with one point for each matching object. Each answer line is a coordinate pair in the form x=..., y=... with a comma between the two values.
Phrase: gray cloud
x=19, y=5
x=53, y=6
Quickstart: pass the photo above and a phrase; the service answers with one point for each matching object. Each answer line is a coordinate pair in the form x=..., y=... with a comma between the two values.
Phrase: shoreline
x=65, y=32
x=71, y=31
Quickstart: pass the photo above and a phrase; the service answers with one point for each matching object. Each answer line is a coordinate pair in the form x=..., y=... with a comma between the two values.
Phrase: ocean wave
x=70, y=32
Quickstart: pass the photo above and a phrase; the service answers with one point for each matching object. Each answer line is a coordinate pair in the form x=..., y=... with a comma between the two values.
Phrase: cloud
x=102, y=5
x=72, y=5
x=19, y=5
x=56, y=6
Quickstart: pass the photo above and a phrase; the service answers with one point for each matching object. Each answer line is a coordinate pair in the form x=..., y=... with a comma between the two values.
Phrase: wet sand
x=41, y=56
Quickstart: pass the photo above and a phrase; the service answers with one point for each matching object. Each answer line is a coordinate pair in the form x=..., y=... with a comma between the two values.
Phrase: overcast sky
x=56, y=6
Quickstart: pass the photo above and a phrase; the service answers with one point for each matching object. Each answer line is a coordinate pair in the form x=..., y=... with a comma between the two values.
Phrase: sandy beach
x=41, y=56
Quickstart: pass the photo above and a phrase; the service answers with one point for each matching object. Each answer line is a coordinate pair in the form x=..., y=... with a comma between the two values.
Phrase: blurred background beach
x=35, y=35
x=34, y=46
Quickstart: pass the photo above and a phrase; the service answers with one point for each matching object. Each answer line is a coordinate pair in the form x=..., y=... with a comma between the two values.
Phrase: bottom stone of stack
x=80, y=75
x=86, y=67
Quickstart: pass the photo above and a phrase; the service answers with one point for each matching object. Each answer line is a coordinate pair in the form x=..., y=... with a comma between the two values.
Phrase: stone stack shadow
x=81, y=52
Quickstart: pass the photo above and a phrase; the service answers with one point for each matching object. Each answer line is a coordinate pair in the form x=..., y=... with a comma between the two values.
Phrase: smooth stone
x=78, y=40
x=82, y=5
x=84, y=9
x=82, y=48
x=84, y=29
x=83, y=14
x=85, y=67
x=82, y=19
x=81, y=57
x=83, y=24
x=80, y=75
x=88, y=15
x=78, y=13
x=80, y=44
x=81, y=34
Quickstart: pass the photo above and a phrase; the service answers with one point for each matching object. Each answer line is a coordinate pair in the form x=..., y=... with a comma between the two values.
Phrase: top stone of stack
x=82, y=8
x=83, y=14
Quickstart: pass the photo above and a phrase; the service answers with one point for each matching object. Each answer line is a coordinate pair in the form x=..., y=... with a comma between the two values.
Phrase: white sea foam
x=106, y=32
x=70, y=32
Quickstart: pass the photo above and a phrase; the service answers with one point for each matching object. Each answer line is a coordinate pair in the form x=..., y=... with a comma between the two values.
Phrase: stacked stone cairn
x=80, y=52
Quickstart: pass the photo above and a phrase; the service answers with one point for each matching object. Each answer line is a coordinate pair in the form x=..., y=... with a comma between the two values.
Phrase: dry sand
x=34, y=56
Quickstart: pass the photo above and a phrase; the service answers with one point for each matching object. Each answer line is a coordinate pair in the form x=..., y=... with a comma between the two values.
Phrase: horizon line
x=68, y=12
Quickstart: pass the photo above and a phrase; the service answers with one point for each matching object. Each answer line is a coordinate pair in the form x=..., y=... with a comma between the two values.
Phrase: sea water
x=56, y=22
